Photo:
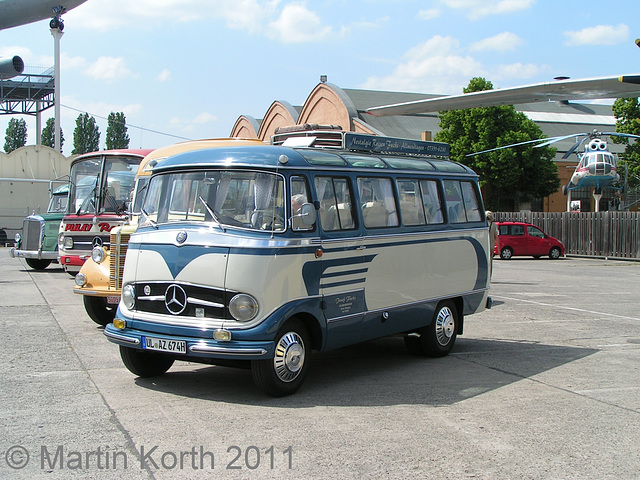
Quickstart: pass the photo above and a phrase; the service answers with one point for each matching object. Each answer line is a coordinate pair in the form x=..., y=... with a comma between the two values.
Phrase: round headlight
x=243, y=307
x=60, y=240
x=81, y=279
x=17, y=238
x=129, y=296
x=67, y=242
x=98, y=254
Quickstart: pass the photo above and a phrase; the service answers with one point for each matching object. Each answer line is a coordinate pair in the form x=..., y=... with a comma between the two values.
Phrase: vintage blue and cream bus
x=257, y=255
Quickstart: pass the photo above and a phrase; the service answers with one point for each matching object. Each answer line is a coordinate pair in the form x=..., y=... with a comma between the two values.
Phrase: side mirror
x=306, y=218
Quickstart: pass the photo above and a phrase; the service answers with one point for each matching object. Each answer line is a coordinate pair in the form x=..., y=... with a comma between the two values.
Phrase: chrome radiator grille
x=31, y=232
x=119, y=243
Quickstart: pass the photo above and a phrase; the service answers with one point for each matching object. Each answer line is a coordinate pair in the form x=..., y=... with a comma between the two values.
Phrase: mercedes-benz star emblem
x=175, y=299
x=181, y=237
x=96, y=242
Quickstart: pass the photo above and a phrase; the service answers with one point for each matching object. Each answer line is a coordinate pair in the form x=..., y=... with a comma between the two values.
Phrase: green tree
x=627, y=113
x=86, y=136
x=509, y=176
x=117, y=136
x=47, y=137
x=16, y=135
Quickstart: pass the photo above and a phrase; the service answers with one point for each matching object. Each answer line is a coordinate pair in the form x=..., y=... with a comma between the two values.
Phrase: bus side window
x=336, y=208
x=471, y=204
x=411, y=206
x=299, y=196
x=379, y=209
x=431, y=201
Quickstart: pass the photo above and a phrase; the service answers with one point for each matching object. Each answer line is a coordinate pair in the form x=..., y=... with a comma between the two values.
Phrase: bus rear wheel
x=437, y=338
x=285, y=372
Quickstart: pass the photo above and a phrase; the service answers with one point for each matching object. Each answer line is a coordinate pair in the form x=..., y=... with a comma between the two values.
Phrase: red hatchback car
x=524, y=239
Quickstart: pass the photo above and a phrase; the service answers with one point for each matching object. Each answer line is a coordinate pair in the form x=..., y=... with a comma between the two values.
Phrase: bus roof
x=152, y=159
x=306, y=158
x=140, y=152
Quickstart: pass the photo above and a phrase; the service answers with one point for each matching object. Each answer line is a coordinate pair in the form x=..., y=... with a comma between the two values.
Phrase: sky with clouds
x=187, y=69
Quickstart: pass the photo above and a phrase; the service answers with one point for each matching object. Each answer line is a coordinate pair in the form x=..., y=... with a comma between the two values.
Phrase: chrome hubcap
x=445, y=326
x=289, y=357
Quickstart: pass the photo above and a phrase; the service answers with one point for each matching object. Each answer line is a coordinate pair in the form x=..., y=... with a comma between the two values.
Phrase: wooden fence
x=603, y=234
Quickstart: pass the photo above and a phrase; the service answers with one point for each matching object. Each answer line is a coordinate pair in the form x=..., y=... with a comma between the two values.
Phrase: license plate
x=113, y=299
x=162, y=345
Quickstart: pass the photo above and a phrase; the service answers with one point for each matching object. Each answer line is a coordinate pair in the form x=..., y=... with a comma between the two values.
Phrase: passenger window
x=378, y=202
x=471, y=204
x=462, y=202
x=431, y=201
x=336, y=207
x=535, y=232
x=411, y=207
x=503, y=230
x=517, y=230
x=299, y=196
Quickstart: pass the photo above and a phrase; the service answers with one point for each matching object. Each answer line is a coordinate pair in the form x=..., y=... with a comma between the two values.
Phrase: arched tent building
x=328, y=104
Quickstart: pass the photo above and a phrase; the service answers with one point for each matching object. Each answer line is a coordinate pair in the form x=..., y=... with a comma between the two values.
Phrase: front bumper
x=39, y=254
x=196, y=347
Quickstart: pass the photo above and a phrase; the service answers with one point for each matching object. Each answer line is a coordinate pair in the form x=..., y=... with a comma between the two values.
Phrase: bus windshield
x=82, y=188
x=229, y=198
x=117, y=187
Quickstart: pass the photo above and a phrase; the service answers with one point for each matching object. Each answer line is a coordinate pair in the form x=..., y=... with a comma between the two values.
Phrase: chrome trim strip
x=122, y=338
x=204, y=303
x=152, y=298
x=228, y=351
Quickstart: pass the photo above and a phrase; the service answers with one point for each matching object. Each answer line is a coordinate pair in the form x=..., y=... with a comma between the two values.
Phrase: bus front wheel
x=285, y=372
x=99, y=310
x=143, y=363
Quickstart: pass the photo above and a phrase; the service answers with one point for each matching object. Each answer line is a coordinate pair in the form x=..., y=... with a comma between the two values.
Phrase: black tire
x=144, y=363
x=285, y=373
x=440, y=335
x=99, y=310
x=37, y=264
x=506, y=253
x=554, y=254
x=437, y=338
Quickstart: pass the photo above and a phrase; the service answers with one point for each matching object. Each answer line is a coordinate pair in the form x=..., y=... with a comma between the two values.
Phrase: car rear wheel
x=37, y=264
x=99, y=310
x=144, y=363
x=554, y=254
x=506, y=253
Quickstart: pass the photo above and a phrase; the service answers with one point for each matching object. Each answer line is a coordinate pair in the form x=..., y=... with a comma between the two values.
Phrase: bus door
x=343, y=262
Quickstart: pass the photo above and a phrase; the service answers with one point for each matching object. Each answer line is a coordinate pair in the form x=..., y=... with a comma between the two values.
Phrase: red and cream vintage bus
x=100, y=190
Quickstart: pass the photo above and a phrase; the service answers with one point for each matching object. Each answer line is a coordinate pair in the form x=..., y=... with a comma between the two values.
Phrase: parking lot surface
x=545, y=385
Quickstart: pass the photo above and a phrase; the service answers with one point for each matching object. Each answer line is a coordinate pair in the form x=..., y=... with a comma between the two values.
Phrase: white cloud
x=297, y=24
x=476, y=9
x=429, y=14
x=598, y=35
x=502, y=42
x=435, y=66
x=109, y=69
x=204, y=117
x=164, y=75
x=291, y=22
x=519, y=71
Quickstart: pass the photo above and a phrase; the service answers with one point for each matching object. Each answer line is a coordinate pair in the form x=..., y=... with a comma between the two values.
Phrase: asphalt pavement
x=545, y=385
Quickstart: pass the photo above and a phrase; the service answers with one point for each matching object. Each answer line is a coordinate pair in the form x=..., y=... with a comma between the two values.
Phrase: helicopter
x=597, y=167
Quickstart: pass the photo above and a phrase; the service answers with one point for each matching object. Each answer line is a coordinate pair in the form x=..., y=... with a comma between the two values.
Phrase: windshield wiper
x=213, y=214
x=88, y=199
x=151, y=221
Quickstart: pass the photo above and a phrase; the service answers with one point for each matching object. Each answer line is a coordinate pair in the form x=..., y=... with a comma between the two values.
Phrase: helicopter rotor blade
x=573, y=149
x=507, y=146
